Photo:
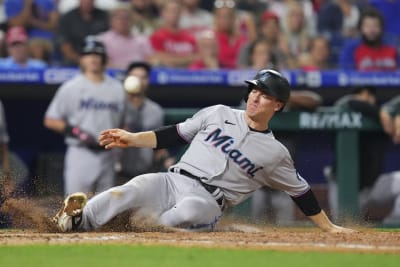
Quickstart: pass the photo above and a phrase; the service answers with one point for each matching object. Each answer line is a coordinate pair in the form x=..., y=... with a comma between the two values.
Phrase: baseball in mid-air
x=132, y=84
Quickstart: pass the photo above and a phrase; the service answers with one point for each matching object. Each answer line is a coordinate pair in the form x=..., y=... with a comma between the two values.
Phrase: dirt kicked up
x=32, y=225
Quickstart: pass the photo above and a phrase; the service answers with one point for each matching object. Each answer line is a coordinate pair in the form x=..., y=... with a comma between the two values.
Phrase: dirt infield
x=32, y=226
x=367, y=241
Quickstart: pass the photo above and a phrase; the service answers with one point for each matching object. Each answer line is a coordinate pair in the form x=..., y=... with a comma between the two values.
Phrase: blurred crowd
x=195, y=34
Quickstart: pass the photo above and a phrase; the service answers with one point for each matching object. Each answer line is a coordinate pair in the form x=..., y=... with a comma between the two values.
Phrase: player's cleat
x=70, y=215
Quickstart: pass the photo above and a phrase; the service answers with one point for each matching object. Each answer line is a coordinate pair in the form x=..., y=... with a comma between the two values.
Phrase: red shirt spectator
x=381, y=58
x=370, y=52
x=198, y=65
x=208, y=52
x=173, y=46
x=174, y=42
x=230, y=40
x=229, y=49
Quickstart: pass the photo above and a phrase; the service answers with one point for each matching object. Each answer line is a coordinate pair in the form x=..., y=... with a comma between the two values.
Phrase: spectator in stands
x=260, y=56
x=253, y=7
x=18, y=12
x=270, y=32
x=173, y=46
x=230, y=40
x=194, y=19
x=41, y=49
x=337, y=21
x=296, y=35
x=370, y=52
x=282, y=8
x=246, y=22
x=3, y=19
x=371, y=153
x=18, y=50
x=338, y=18
x=67, y=5
x=75, y=25
x=144, y=14
x=390, y=10
x=142, y=114
x=317, y=58
x=122, y=46
x=39, y=17
x=208, y=52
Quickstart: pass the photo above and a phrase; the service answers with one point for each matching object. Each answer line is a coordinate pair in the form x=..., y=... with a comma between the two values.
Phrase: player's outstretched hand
x=115, y=138
x=335, y=229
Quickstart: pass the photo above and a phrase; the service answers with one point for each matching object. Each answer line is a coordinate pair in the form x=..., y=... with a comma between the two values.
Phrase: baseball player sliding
x=231, y=154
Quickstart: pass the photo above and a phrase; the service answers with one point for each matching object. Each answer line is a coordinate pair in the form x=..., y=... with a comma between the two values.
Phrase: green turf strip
x=125, y=255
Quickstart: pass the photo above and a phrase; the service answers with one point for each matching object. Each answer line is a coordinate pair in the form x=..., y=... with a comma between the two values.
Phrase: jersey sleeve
x=285, y=177
x=58, y=108
x=189, y=128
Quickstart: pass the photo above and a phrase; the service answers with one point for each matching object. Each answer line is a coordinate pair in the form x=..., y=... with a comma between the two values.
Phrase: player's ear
x=278, y=106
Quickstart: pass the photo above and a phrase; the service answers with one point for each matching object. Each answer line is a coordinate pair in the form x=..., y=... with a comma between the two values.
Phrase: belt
x=215, y=191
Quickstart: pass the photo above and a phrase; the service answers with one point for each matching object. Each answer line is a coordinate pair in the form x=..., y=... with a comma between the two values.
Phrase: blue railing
x=160, y=76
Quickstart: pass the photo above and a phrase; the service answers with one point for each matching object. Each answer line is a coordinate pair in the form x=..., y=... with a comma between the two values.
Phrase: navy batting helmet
x=270, y=82
x=92, y=45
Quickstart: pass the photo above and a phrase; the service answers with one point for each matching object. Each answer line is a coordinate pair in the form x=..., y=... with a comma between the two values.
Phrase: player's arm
x=325, y=224
x=61, y=126
x=161, y=138
x=308, y=204
x=57, y=125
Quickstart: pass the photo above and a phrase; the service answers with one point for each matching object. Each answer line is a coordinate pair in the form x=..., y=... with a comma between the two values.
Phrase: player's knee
x=194, y=211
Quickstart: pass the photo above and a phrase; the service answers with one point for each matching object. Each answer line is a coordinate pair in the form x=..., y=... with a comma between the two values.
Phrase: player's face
x=261, y=106
x=92, y=63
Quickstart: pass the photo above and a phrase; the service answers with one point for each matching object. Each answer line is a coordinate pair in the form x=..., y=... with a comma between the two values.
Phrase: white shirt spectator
x=196, y=22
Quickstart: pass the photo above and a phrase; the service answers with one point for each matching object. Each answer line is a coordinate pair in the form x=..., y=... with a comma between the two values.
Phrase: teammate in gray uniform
x=81, y=108
x=231, y=154
x=386, y=189
x=142, y=114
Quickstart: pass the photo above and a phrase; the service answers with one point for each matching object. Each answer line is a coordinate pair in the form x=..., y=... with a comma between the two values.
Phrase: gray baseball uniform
x=149, y=116
x=225, y=152
x=93, y=108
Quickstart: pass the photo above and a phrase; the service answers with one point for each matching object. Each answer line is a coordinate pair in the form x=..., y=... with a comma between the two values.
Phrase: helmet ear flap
x=247, y=92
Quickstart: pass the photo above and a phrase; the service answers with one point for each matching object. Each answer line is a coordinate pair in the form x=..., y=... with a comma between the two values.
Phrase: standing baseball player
x=142, y=114
x=231, y=154
x=83, y=107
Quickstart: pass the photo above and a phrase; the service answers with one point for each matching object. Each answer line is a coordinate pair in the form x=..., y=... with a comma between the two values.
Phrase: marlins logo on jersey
x=224, y=142
x=92, y=103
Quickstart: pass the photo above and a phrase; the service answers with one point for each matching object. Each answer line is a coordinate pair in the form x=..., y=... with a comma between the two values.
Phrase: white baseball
x=132, y=84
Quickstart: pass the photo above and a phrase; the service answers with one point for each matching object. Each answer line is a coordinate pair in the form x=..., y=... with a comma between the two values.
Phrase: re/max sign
x=330, y=120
